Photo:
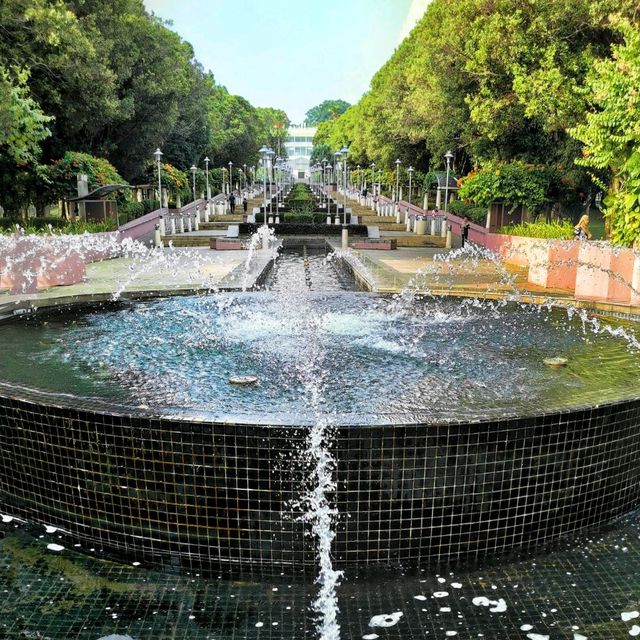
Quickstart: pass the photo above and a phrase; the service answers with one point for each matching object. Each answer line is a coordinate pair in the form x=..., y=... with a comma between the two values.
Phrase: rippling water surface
x=432, y=360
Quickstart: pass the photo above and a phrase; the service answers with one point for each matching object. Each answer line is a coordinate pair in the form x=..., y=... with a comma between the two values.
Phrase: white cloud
x=416, y=11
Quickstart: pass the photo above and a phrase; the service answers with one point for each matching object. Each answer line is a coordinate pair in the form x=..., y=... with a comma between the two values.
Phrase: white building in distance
x=299, y=145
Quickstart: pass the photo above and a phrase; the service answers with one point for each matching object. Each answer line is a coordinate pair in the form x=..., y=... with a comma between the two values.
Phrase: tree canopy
x=327, y=110
x=115, y=82
x=492, y=80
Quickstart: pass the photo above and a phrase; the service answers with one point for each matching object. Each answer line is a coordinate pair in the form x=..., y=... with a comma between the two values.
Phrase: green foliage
x=493, y=81
x=611, y=134
x=47, y=226
x=474, y=213
x=321, y=151
x=23, y=126
x=328, y=110
x=514, y=182
x=110, y=80
x=562, y=230
x=61, y=174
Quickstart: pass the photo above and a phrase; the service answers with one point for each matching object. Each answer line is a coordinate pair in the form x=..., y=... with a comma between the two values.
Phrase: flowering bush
x=515, y=182
x=61, y=174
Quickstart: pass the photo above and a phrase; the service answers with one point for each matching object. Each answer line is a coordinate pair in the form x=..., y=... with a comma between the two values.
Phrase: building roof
x=101, y=192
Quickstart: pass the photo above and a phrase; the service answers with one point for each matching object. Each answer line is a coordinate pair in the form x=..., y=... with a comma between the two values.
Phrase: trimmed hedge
x=292, y=229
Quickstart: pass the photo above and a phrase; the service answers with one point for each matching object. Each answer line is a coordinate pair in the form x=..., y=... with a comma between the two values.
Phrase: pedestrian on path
x=464, y=230
x=232, y=202
x=245, y=204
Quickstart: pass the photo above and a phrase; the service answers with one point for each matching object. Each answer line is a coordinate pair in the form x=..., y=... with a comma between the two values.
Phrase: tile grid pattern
x=218, y=495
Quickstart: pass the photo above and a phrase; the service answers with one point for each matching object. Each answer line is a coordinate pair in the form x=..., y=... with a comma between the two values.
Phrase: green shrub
x=562, y=230
x=41, y=226
x=474, y=213
x=130, y=211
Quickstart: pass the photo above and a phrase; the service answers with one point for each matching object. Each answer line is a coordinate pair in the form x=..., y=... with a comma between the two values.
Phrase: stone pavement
x=184, y=270
x=163, y=272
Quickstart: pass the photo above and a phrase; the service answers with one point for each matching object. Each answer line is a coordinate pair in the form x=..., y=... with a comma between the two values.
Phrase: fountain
x=413, y=430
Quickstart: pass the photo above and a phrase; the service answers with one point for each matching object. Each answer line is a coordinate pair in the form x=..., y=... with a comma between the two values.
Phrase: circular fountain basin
x=452, y=437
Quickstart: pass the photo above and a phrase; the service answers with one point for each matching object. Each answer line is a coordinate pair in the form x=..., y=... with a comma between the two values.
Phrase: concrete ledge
x=225, y=244
x=380, y=244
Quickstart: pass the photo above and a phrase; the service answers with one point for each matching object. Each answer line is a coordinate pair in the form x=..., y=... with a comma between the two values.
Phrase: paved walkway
x=157, y=273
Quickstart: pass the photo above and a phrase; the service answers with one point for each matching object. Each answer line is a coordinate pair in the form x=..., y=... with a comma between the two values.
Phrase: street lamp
x=337, y=164
x=230, y=177
x=157, y=155
x=244, y=167
x=193, y=182
x=270, y=154
x=379, y=180
x=264, y=154
x=345, y=152
x=410, y=172
x=398, y=163
x=206, y=174
x=373, y=179
x=448, y=157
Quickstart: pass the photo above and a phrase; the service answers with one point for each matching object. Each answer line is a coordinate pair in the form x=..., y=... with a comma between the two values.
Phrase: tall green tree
x=23, y=125
x=611, y=134
x=327, y=110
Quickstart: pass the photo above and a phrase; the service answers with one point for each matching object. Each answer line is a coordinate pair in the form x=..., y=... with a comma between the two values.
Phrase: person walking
x=232, y=202
x=245, y=204
x=464, y=230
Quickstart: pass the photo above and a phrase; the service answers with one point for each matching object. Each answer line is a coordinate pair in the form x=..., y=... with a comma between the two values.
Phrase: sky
x=288, y=55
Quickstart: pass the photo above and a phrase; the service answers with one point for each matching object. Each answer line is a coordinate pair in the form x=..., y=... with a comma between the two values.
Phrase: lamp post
x=373, y=179
x=345, y=152
x=157, y=155
x=337, y=163
x=244, y=171
x=206, y=175
x=448, y=157
x=193, y=181
x=270, y=155
x=379, y=181
x=410, y=172
x=264, y=154
x=398, y=163
x=230, y=177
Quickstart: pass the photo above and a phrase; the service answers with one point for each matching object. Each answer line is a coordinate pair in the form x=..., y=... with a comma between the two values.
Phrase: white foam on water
x=419, y=597
x=456, y=585
x=445, y=609
x=536, y=636
x=55, y=547
x=386, y=619
x=7, y=518
x=499, y=606
x=526, y=627
x=635, y=630
x=629, y=615
x=481, y=601
x=440, y=594
x=495, y=606
x=370, y=636
x=578, y=636
x=259, y=624
x=49, y=529
x=450, y=634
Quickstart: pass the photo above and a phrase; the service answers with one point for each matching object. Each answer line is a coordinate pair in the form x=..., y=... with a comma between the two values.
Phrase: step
x=216, y=226
x=420, y=241
x=188, y=241
x=227, y=218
